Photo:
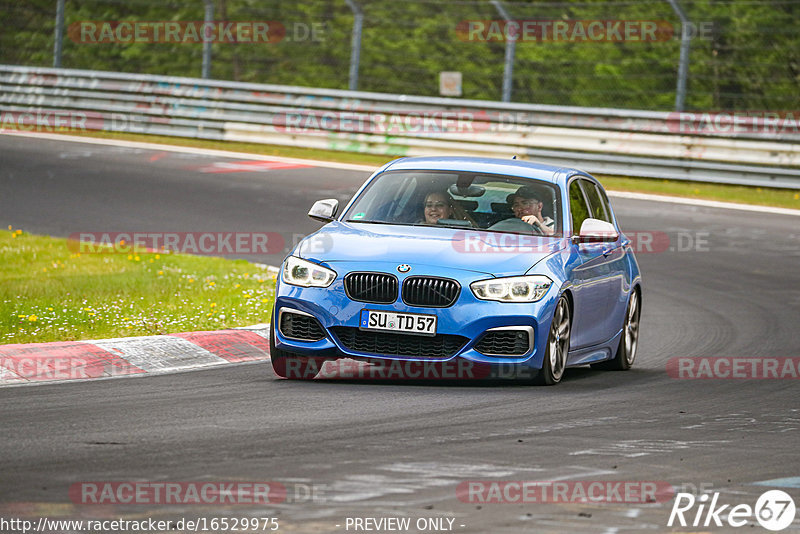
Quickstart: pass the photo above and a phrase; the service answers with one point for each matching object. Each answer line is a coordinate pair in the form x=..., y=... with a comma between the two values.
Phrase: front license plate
x=407, y=323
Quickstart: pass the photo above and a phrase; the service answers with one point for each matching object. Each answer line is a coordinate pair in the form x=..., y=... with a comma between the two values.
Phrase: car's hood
x=484, y=252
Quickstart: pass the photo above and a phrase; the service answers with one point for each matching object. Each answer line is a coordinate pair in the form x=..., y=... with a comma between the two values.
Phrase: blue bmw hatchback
x=475, y=261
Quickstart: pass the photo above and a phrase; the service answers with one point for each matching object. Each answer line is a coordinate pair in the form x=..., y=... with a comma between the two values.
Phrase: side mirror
x=596, y=231
x=324, y=210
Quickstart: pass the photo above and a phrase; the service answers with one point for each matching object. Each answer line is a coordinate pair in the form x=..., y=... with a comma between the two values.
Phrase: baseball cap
x=527, y=192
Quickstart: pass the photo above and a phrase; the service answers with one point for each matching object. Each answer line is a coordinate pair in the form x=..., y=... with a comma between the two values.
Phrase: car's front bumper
x=468, y=317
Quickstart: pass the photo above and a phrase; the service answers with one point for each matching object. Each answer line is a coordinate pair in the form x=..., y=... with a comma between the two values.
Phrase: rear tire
x=629, y=341
x=555, y=357
x=288, y=365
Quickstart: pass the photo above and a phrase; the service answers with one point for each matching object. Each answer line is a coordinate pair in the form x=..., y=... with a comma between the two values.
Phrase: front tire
x=555, y=358
x=629, y=342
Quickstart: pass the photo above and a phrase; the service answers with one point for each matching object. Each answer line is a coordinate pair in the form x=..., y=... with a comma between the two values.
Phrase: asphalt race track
x=64, y=188
x=728, y=285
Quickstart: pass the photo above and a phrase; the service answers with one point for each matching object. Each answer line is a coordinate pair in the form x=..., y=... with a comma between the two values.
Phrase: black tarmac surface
x=729, y=287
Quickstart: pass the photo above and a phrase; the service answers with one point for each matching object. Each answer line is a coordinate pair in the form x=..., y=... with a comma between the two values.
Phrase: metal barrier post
x=511, y=47
x=683, y=66
x=59, y=34
x=209, y=19
x=355, y=44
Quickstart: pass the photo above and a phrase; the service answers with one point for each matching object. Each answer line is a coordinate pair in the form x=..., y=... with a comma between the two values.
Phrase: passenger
x=438, y=206
x=526, y=205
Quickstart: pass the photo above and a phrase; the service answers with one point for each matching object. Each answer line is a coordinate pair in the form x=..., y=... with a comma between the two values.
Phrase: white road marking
x=789, y=482
x=636, y=447
x=261, y=329
x=193, y=150
x=704, y=203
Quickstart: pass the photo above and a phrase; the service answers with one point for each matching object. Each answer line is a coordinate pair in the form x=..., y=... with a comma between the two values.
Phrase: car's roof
x=513, y=167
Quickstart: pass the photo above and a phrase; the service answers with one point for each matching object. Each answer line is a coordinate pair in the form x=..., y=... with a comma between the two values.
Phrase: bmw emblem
x=404, y=268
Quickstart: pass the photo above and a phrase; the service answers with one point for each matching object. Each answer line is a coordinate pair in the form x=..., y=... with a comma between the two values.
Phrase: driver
x=526, y=205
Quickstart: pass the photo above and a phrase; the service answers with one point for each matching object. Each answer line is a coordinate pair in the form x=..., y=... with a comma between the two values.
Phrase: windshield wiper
x=458, y=226
x=380, y=222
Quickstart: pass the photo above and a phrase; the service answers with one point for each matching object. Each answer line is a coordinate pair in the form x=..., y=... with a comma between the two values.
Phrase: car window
x=606, y=204
x=474, y=201
x=577, y=206
x=596, y=206
x=405, y=194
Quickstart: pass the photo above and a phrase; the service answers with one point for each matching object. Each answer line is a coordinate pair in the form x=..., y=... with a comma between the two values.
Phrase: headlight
x=304, y=273
x=512, y=289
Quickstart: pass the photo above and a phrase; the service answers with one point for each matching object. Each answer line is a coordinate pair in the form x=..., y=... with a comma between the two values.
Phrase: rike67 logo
x=774, y=510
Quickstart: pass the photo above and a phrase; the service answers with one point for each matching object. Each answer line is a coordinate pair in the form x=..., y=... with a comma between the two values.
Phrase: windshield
x=460, y=200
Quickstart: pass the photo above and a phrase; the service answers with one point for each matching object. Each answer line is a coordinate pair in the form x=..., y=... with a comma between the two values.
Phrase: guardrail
x=610, y=141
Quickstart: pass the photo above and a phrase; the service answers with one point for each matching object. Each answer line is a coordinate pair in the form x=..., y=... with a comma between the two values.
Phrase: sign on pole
x=450, y=83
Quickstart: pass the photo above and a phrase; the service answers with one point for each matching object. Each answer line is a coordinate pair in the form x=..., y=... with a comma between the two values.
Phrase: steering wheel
x=516, y=225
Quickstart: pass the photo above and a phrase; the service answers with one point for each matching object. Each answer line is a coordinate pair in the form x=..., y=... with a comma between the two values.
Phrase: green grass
x=783, y=198
x=50, y=293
